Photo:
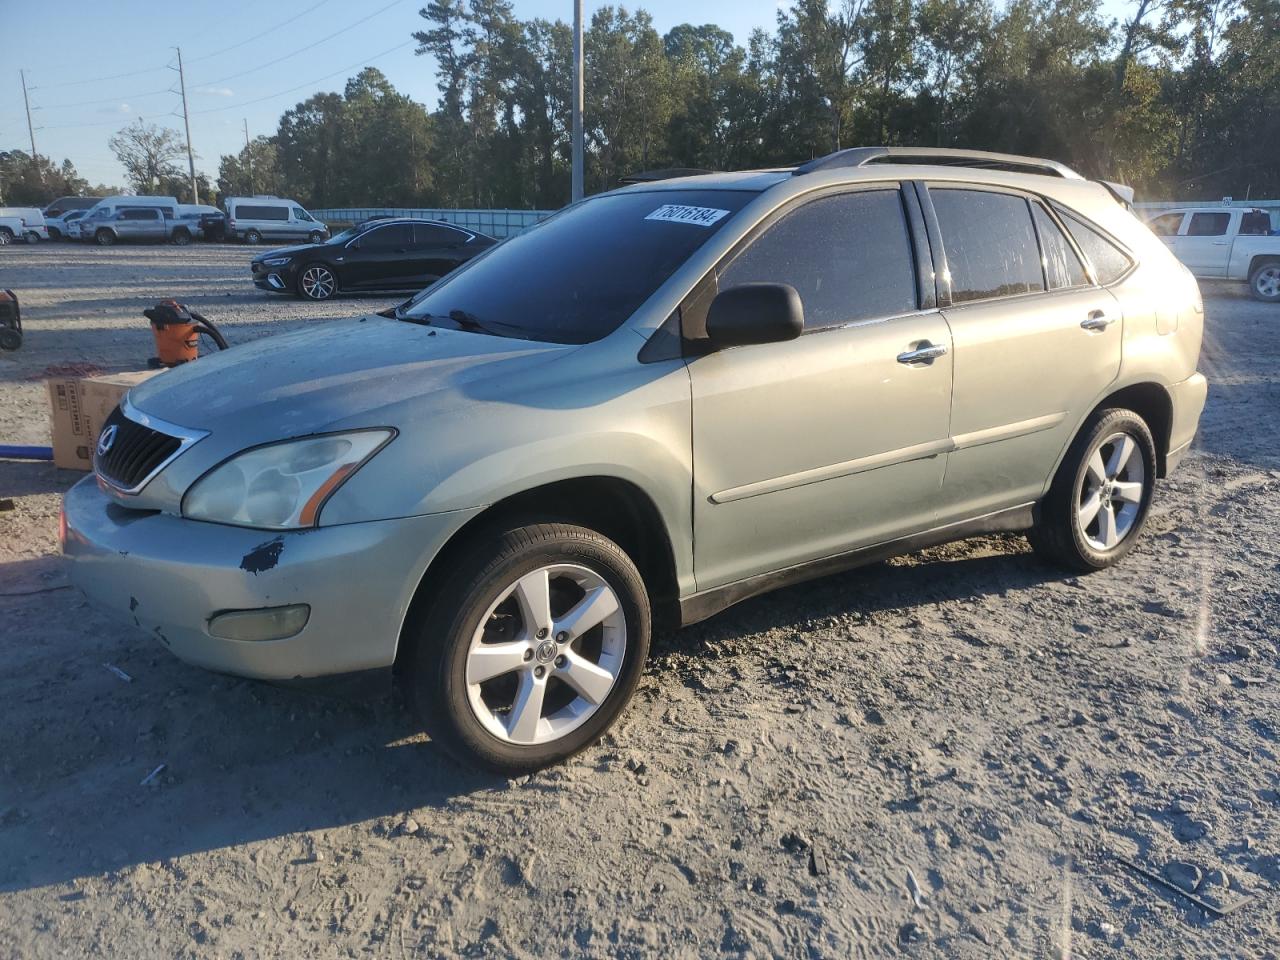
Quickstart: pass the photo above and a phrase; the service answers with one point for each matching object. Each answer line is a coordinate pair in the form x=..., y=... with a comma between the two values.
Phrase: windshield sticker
x=679, y=213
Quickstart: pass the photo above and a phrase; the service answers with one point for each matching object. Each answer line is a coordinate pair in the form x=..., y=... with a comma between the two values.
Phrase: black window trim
x=1091, y=279
x=467, y=234
x=1062, y=211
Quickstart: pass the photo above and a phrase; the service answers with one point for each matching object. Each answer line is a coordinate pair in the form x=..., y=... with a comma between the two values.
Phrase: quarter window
x=430, y=235
x=1208, y=224
x=848, y=256
x=1109, y=262
x=990, y=243
x=1061, y=265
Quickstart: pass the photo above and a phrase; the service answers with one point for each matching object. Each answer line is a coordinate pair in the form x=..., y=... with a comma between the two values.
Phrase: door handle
x=1219, y=243
x=925, y=353
x=1097, y=320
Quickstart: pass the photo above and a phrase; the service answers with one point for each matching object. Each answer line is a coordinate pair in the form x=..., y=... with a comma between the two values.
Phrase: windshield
x=579, y=275
x=345, y=235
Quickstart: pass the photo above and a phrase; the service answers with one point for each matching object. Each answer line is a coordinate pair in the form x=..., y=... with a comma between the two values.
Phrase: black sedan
x=399, y=254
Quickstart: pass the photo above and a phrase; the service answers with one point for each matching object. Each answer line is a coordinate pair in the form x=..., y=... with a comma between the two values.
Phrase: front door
x=1036, y=342
x=1205, y=244
x=380, y=259
x=809, y=448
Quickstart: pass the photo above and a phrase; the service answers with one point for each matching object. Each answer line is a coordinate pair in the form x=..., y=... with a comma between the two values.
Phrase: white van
x=107, y=208
x=254, y=219
x=30, y=221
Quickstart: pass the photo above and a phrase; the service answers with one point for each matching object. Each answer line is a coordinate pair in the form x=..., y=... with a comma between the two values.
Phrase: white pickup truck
x=1225, y=243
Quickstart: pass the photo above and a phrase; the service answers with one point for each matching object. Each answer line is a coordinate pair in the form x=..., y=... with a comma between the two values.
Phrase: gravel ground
x=948, y=755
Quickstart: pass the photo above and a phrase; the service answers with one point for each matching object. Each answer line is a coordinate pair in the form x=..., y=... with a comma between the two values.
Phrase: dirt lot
x=943, y=756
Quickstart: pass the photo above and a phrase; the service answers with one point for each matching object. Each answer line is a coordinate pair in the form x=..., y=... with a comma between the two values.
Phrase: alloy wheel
x=318, y=283
x=546, y=654
x=1267, y=282
x=1110, y=498
x=6, y=238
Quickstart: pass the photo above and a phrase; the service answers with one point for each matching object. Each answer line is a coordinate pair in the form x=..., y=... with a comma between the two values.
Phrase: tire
x=1264, y=281
x=104, y=238
x=33, y=239
x=54, y=233
x=182, y=237
x=479, y=607
x=315, y=237
x=316, y=281
x=252, y=237
x=6, y=236
x=1095, y=511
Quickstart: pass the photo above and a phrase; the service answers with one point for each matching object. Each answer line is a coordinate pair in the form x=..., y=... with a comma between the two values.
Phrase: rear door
x=437, y=249
x=1036, y=340
x=1205, y=244
x=809, y=448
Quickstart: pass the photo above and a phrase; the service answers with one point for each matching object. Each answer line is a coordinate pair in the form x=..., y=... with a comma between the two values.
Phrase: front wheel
x=317, y=282
x=182, y=238
x=1101, y=495
x=6, y=236
x=105, y=238
x=532, y=648
x=1264, y=281
x=316, y=236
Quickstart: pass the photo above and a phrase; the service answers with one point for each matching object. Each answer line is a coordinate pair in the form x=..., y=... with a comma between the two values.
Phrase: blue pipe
x=9, y=452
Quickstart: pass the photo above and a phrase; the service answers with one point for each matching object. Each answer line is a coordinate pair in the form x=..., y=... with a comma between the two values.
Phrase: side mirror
x=755, y=313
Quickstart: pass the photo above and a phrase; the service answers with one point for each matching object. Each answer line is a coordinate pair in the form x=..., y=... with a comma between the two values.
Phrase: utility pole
x=186, y=122
x=576, y=182
x=248, y=157
x=31, y=132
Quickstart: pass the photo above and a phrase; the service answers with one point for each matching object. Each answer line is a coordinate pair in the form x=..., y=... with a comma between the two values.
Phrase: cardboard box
x=77, y=408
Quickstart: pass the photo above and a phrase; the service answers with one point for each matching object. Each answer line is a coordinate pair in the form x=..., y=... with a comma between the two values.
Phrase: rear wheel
x=1098, y=503
x=105, y=238
x=181, y=237
x=252, y=237
x=532, y=648
x=317, y=282
x=1264, y=281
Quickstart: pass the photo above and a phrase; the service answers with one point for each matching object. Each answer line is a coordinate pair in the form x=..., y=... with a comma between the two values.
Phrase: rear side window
x=430, y=235
x=246, y=211
x=990, y=243
x=136, y=214
x=1255, y=223
x=1208, y=224
x=848, y=256
x=1166, y=225
x=1110, y=263
x=1062, y=267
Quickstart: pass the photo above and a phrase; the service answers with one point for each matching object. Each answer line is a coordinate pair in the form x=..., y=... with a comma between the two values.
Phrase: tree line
x=1177, y=98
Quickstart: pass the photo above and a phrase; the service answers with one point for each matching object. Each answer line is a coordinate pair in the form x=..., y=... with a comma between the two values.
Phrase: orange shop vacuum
x=177, y=331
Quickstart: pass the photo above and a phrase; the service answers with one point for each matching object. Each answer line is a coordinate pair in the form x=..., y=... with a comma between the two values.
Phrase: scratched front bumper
x=168, y=576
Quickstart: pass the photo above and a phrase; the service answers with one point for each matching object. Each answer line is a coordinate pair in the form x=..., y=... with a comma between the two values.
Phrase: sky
x=95, y=66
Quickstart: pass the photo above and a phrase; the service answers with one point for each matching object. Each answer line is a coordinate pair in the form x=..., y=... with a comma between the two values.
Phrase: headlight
x=277, y=261
x=281, y=486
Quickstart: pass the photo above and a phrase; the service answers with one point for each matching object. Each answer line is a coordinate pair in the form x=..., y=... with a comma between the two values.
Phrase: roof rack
x=944, y=156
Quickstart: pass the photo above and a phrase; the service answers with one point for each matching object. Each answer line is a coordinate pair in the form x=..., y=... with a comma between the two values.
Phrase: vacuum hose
x=209, y=330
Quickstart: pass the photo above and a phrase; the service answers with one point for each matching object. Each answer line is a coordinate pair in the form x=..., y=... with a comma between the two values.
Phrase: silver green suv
x=656, y=403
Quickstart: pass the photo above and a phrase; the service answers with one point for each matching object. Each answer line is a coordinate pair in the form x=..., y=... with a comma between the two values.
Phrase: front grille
x=135, y=452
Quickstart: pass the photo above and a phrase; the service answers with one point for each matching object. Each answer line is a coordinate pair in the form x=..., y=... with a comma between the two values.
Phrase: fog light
x=273, y=623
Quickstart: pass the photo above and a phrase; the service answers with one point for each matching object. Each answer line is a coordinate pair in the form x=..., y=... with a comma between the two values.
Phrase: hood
x=288, y=251
x=345, y=373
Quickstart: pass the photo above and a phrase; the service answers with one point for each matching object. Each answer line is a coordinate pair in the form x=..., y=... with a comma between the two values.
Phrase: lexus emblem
x=107, y=438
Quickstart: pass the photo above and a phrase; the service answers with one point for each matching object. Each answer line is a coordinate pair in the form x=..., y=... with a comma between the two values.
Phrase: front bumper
x=169, y=576
x=273, y=279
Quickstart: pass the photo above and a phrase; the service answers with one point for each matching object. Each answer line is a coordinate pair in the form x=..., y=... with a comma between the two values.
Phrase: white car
x=30, y=225
x=1225, y=243
x=255, y=219
x=65, y=225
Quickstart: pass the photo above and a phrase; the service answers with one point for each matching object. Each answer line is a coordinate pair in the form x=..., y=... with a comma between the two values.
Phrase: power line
x=89, y=103
x=288, y=56
x=114, y=76
x=271, y=96
x=258, y=36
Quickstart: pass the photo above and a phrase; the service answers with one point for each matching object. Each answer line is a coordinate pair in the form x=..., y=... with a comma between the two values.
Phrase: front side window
x=300, y=214
x=1061, y=265
x=579, y=275
x=990, y=243
x=1166, y=225
x=393, y=237
x=1208, y=225
x=1110, y=263
x=141, y=215
x=848, y=256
